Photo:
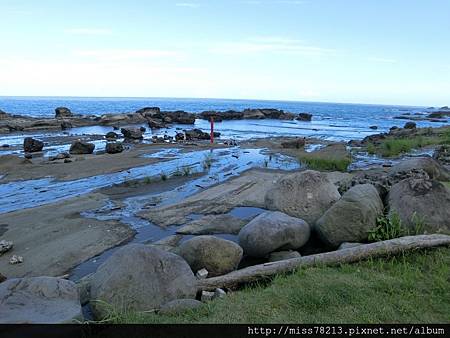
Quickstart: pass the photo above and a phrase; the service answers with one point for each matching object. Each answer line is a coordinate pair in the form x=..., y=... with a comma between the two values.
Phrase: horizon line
x=209, y=98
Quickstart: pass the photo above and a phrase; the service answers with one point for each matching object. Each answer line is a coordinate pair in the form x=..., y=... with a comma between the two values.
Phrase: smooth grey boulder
x=213, y=224
x=283, y=255
x=80, y=147
x=39, y=300
x=352, y=217
x=218, y=256
x=178, y=306
x=306, y=195
x=421, y=203
x=432, y=167
x=272, y=231
x=138, y=277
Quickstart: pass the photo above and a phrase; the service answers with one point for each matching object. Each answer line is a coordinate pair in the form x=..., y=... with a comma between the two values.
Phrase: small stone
x=5, y=246
x=2, y=278
x=207, y=296
x=15, y=259
x=219, y=293
x=202, y=274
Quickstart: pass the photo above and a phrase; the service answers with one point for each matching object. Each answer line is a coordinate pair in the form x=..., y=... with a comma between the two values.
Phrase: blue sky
x=368, y=51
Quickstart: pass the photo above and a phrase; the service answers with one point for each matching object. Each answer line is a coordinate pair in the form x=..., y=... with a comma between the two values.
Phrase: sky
x=362, y=51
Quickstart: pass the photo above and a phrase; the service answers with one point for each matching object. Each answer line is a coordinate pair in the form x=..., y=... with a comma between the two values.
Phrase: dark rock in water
x=5, y=145
x=180, y=137
x=79, y=147
x=66, y=125
x=28, y=156
x=150, y=111
x=304, y=117
x=31, y=145
x=373, y=127
x=444, y=108
x=39, y=300
x=220, y=116
x=132, y=133
x=393, y=128
x=298, y=143
x=111, y=135
x=114, y=147
x=410, y=125
x=138, y=277
x=180, y=117
x=155, y=123
x=116, y=128
x=62, y=112
x=421, y=200
x=196, y=134
x=143, y=129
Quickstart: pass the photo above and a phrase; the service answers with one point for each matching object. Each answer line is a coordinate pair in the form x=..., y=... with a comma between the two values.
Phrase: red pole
x=212, y=130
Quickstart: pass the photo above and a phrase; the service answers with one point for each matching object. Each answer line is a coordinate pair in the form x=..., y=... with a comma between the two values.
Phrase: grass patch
x=390, y=147
x=410, y=288
x=325, y=164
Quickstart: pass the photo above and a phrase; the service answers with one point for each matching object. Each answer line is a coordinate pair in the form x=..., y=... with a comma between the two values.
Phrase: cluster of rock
x=253, y=114
x=439, y=115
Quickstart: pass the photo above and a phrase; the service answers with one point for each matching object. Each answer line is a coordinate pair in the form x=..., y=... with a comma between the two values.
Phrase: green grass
x=395, y=146
x=409, y=288
x=326, y=164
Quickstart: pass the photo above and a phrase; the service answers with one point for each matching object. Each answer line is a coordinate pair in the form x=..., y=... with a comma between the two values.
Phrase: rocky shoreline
x=152, y=116
x=195, y=198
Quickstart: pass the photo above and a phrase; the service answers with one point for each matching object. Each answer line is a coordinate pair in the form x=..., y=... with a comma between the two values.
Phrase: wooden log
x=350, y=255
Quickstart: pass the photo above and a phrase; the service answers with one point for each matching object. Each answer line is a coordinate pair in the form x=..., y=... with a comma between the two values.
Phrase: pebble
x=219, y=293
x=207, y=296
x=202, y=274
x=5, y=246
x=16, y=260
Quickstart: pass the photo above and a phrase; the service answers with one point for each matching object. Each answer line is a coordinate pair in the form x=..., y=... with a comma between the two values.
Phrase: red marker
x=212, y=130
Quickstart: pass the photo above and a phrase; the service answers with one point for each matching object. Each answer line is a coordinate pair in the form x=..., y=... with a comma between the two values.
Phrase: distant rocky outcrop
x=304, y=117
x=250, y=114
x=63, y=112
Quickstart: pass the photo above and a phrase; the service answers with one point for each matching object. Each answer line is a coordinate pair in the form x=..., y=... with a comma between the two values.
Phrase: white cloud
x=270, y=45
x=188, y=4
x=88, y=31
x=125, y=54
x=381, y=60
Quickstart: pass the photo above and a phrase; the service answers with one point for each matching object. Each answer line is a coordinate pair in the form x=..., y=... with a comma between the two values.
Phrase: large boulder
x=132, y=133
x=217, y=255
x=114, y=147
x=352, y=217
x=421, y=202
x=306, y=195
x=80, y=147
x=39, y=300
x=432, y=167
x=31, y=145
x=62, y=112
x=273, y=231
x=140, y=278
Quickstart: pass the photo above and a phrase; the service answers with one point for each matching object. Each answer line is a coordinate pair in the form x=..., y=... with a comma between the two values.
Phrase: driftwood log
x=350, y=255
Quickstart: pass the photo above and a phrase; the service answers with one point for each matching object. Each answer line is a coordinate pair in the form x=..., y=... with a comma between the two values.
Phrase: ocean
x=333, y=121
